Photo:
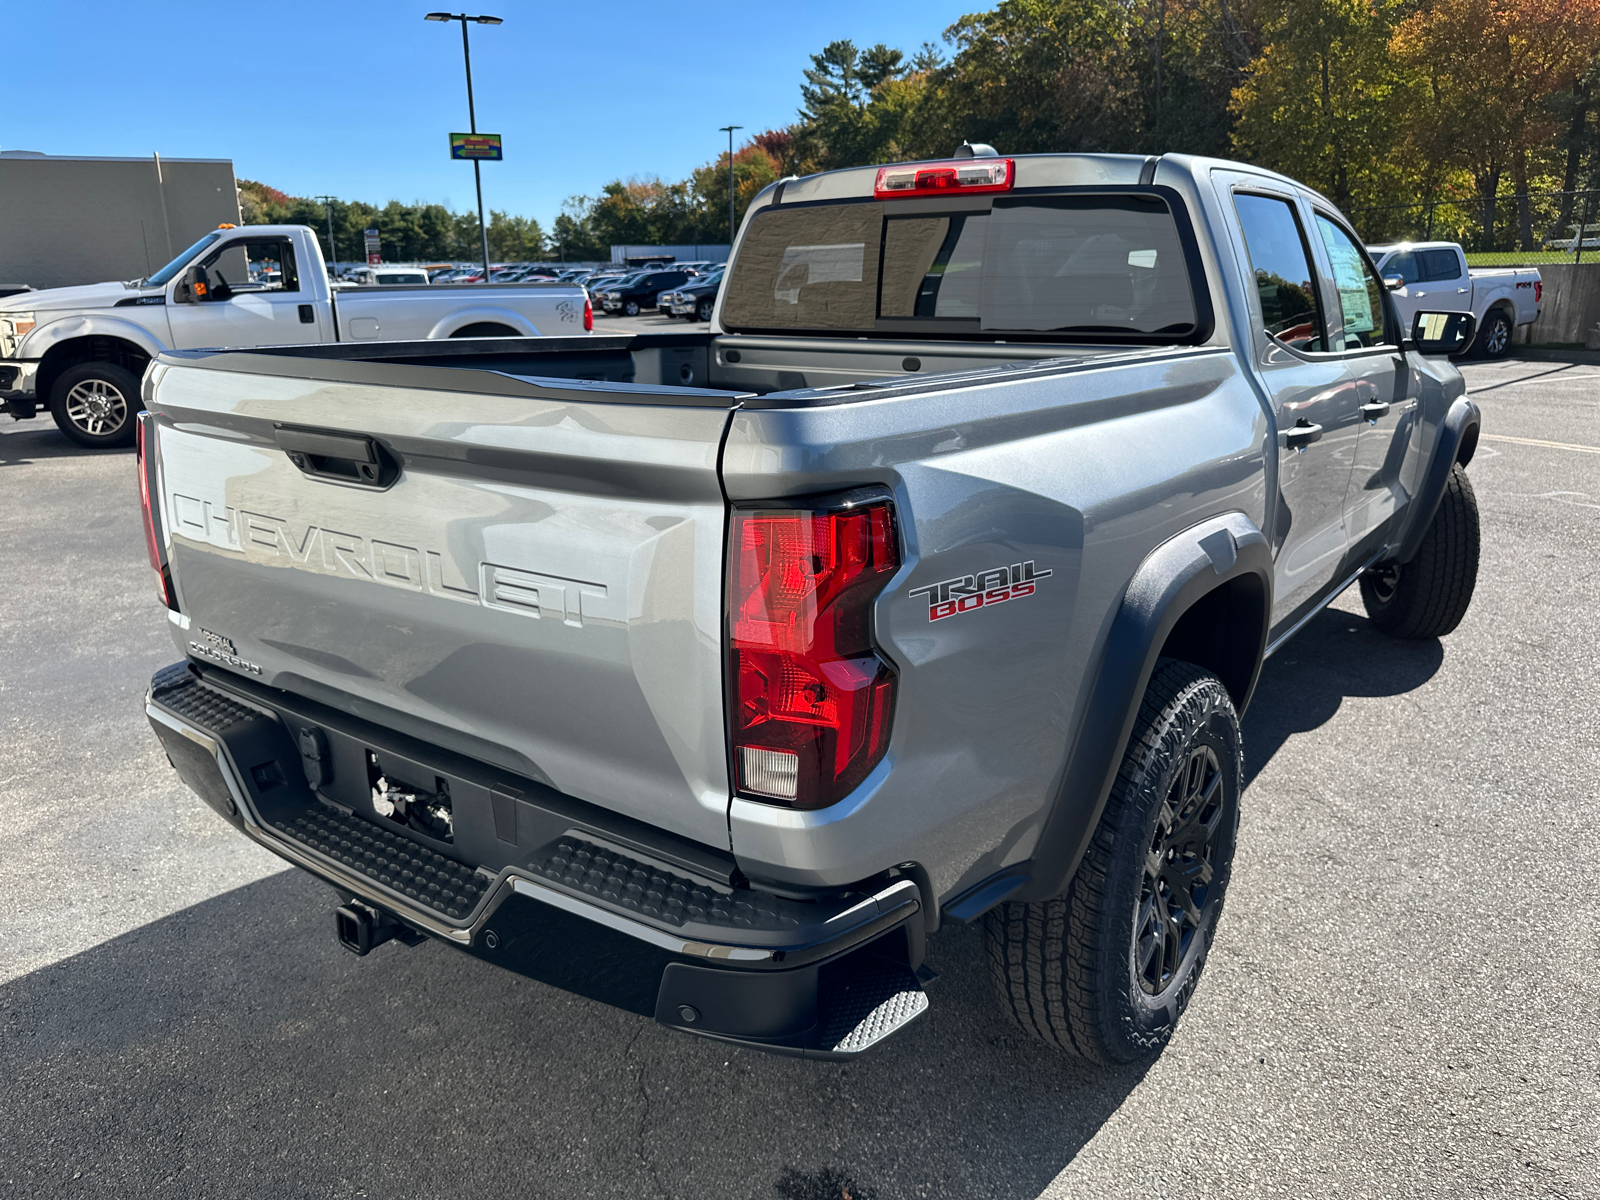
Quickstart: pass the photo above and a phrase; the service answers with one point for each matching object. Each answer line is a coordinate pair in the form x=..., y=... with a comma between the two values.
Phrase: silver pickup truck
x=710, y=675
x=78, y=352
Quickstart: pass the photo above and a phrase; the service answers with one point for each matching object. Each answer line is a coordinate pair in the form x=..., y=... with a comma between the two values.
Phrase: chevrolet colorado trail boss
x=710, y=674
x=79, y=351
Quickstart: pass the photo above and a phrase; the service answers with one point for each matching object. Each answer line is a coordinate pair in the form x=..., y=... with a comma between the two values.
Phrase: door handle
x=1461, y=291
x=1302, y=435
x=1374, y=410
x=308, y=315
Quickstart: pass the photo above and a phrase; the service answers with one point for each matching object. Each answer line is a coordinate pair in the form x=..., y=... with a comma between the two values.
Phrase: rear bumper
x=829, y=978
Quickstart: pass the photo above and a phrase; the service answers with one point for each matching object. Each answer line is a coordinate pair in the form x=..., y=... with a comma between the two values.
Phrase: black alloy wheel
x=1178, y=871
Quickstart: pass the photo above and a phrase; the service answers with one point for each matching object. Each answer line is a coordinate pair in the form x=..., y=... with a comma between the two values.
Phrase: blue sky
x=356, y=98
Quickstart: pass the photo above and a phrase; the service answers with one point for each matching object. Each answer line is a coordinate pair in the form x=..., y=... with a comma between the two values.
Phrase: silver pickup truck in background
x=1435, y=275
x=710, y=675
x=79, y=351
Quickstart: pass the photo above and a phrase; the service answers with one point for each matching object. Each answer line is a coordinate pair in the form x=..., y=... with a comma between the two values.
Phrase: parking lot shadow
x=33, y=441
x=1337, y=654
x=234, y=1049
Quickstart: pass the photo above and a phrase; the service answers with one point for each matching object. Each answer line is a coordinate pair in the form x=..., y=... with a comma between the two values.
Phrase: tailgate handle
x=338, y=457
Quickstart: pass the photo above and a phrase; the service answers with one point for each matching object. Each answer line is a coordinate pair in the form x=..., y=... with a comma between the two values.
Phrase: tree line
x=1373, y=102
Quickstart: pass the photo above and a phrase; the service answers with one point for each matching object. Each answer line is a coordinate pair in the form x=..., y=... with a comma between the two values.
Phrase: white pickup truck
x=80, y=351
x=1435, y=275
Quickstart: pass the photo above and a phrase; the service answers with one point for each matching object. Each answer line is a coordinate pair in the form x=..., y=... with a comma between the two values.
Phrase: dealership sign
x=483, y=146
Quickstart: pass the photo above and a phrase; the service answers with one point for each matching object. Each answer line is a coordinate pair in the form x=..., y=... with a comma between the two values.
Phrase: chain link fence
x=1506, y=231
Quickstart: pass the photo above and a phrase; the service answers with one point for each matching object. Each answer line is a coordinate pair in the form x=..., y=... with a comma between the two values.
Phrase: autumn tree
x=1319, y=102
x=1489, y=70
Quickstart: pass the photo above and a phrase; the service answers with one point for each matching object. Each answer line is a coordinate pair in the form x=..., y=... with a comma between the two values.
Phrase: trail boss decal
x=965, y=593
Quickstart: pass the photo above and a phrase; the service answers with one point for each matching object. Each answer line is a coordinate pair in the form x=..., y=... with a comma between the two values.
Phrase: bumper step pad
x=673, y=899
x=875, y=999
x=442, y=884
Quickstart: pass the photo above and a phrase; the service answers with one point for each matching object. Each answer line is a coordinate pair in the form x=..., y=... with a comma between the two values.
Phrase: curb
x=1541, y=354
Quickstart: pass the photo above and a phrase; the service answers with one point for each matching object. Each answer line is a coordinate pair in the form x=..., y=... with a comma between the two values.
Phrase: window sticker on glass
x=1142, y=258
x=1349, y=276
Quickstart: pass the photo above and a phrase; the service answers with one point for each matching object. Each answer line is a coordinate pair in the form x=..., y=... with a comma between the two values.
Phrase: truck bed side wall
x=1082, y=471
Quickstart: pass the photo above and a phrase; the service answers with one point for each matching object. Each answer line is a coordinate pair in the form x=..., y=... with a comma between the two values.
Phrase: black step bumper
x=828, y=978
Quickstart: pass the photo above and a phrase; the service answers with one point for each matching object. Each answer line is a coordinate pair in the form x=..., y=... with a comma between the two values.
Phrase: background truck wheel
x=1494, y=335
x=96, y=404
x=630, y=307
x=704, y=311
x=1105, y=970
x=1428, y=596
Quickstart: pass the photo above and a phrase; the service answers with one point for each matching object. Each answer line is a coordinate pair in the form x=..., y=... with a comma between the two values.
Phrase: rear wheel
x=1428, y=596
x=96, y=404
x=1494, y=335
x=1105, y=970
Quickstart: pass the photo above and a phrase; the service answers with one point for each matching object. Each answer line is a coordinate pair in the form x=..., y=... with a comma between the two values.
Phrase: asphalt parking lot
x=1400, y=1002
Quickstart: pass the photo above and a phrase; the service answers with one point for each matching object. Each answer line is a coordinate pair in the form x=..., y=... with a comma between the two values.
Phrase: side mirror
x=1394, y=282
x=183, y=290
x=1435, y=333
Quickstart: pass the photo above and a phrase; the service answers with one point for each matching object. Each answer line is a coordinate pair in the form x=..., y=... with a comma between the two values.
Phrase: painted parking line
x=1520, y=441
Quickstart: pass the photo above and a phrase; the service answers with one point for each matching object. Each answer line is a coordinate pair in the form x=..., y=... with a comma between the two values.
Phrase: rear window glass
x=1092, y=265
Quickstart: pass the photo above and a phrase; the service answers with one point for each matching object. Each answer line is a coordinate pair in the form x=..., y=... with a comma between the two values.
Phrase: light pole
x=472, y=115
x=728, y=129
x=327, y=207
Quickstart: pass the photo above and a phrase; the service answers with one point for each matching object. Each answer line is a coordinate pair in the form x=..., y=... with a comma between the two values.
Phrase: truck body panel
x=527, y=553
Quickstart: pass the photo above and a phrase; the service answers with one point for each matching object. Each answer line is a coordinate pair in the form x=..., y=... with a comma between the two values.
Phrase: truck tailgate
x=535, y=567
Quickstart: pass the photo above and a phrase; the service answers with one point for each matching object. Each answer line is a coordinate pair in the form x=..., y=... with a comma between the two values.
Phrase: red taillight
x=588, y=316
x=152, y=544
x=957, y=175
x=812, y=698
x=1538, y=290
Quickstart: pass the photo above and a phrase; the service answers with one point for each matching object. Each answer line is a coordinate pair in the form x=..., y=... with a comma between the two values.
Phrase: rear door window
x=1360, y=293
x=1438, y=266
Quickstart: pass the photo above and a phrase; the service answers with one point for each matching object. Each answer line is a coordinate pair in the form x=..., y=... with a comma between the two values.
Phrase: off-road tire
x=1428, y=596
x=1072, y=970
x=1494, y=336
x=80, y=392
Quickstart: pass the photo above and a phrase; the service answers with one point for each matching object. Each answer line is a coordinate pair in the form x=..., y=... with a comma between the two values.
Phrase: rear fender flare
x=499, y=314
x=1175, y=577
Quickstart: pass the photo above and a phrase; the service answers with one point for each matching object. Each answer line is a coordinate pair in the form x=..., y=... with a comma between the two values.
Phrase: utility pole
x=333, y=250
x=472, y=116
x=728, y=129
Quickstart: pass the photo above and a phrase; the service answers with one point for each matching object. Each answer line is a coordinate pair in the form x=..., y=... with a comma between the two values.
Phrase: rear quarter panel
x=1081, y=470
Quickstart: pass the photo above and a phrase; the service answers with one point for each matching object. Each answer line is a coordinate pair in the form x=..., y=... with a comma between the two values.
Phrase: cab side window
x=1403, y=264
x=1285, y=278
x=242, y=267
x=1360, y=293
x=1438, y=266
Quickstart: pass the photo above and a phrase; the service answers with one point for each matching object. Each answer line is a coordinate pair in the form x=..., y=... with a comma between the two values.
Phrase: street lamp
x=472, y=115
x=728, y=129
